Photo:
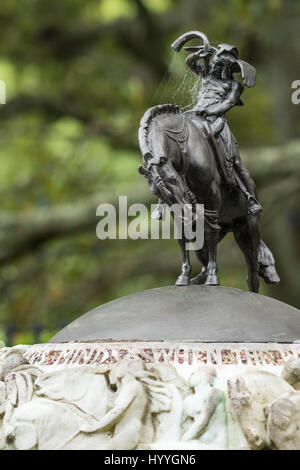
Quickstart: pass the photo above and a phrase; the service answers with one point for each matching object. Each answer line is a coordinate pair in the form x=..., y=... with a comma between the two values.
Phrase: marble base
x=150, y=395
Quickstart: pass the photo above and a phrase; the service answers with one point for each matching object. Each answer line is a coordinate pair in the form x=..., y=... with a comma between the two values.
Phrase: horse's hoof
x=212, y=281
x=182, y=281
x=198, y=280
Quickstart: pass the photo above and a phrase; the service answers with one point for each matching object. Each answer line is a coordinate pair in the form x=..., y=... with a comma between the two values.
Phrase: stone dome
x=187, y=314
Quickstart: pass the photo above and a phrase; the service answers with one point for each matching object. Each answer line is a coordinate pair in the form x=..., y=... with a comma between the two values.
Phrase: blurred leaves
x=79, y=76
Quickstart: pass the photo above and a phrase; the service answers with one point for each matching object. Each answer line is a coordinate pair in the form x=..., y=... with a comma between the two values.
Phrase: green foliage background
x=79, y=76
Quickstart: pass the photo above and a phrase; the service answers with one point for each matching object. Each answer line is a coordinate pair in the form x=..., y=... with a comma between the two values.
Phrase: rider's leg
x=254, y=206
x=244, y=174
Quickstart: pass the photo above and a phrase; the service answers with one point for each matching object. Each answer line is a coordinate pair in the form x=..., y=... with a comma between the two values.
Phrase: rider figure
x=219, y=93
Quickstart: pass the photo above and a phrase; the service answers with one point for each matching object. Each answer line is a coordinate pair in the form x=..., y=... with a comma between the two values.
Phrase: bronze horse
x=175, y=152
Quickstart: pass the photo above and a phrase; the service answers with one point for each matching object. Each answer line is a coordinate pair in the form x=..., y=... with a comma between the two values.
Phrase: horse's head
x=168, y=185
x=171, y=188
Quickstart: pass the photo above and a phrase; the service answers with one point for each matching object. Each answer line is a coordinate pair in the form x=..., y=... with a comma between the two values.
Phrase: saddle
x=180, y=135
x=211, y=131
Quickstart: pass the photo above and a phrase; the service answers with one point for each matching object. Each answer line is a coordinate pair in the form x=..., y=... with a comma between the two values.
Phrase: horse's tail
x=145, y=125
x=266, y=264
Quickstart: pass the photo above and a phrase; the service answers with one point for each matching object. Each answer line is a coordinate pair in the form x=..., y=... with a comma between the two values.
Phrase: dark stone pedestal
x=194, y=313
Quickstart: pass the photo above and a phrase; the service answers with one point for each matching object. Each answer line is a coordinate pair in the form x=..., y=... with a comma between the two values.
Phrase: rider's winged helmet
x=225, y=55
x=223, y=61
x=227, y=50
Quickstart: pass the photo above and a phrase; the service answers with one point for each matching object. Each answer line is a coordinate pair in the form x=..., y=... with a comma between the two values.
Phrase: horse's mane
x=147, y=119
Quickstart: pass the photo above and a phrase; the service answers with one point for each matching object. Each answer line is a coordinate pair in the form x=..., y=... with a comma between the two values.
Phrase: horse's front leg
x=184, y=278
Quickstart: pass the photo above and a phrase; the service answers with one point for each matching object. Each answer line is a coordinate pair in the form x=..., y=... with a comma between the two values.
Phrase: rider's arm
x=233, y=99
x=193, y=61
x=125, y=398
x=202, y=420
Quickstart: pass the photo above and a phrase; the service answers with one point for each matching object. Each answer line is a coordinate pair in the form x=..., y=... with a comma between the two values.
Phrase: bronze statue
x=193, y=157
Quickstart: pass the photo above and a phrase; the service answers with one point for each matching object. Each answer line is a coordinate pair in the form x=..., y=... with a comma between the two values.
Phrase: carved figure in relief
x=17, y=385
x=291, y=372
x=205, y=411
x=128, y=422
x=77, y=409
x=283, y=415
x=283, y=422
x=167, y=391
x=250, y=393
x=49, y=420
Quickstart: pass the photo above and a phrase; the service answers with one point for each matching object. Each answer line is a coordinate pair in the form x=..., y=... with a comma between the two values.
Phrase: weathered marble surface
x=51, y=401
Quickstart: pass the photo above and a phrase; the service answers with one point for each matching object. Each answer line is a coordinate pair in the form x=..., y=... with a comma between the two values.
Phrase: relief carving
x=131, y=405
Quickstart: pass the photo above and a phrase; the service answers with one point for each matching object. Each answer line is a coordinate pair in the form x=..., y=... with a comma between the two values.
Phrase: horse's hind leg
x=212, y=237
x=184, y=278
x=248, y=239
x=212, y=232
x=202, y=256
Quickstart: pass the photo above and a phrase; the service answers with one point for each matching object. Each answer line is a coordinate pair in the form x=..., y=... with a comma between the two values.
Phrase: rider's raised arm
x=193, y=61
x=233, y=99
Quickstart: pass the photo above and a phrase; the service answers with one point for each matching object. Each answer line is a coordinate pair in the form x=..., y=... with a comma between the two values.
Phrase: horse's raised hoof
x=198, y=280
x=212, y=281
x=182, y=281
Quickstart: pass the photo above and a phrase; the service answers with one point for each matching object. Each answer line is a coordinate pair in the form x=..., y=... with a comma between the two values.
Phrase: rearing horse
x=175, y=152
